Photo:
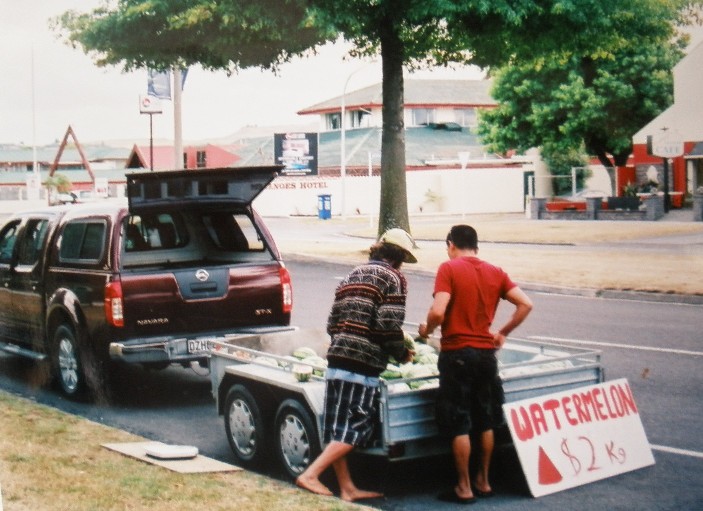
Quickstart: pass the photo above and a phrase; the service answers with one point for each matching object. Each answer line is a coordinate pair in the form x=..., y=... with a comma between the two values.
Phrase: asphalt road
x=656, y=346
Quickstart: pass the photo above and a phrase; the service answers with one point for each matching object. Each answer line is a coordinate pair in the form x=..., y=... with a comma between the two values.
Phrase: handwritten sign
x=571, y=438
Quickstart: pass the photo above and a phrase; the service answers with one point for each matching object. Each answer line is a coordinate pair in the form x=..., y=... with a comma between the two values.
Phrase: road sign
x=575, y=437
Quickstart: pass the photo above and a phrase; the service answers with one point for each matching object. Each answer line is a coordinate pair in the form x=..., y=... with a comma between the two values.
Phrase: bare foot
x=356, y=494
x=313, y=485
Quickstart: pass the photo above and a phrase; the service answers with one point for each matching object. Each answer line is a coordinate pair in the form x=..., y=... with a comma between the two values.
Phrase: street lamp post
x=343, y=148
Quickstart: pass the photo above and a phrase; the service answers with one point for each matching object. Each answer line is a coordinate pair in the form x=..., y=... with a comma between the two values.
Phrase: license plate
x=198, y=345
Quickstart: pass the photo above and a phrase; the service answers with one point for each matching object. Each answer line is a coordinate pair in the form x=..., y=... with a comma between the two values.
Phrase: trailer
x=273, y=403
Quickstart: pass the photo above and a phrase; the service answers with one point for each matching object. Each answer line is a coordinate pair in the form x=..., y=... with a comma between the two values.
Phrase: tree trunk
x=393, y=211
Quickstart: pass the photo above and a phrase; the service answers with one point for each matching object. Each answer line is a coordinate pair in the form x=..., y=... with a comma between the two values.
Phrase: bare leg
x=310, y=478
x=461, y=449
x=348, y=490
x=487, y=443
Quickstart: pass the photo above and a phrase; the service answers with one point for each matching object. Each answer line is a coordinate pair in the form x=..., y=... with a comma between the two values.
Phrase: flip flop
x=483, y=494
x=451, y=496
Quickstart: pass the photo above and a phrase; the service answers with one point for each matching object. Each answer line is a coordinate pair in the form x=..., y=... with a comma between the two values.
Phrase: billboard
x=297, y=152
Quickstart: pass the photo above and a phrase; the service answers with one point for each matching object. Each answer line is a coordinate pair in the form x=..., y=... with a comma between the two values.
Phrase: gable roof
x=417, y=93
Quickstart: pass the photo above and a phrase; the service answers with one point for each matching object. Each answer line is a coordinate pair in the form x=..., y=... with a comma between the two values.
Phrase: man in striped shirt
x=365, y=327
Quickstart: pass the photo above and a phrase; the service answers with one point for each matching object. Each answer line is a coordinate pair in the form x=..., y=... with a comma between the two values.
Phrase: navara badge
x=202, y=275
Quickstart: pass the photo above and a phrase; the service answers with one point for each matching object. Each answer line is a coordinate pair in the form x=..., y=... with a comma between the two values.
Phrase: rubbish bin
x=324, y=207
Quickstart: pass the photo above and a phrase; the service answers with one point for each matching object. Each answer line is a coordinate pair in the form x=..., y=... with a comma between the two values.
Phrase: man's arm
x=435, y=316
x=523, y=306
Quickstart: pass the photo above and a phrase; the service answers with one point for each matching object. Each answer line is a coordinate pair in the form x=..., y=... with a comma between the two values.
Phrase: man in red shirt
x=470, y=398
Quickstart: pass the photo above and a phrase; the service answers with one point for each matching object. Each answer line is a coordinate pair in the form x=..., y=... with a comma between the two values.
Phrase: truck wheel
x=66, y=362
x=245, y=427
x=296, y=439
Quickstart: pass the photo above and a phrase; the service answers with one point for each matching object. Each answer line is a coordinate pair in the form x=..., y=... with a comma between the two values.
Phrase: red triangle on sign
x=548, y=473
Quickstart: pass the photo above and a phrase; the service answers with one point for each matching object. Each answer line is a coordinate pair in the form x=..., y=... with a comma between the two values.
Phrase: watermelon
x=304, y=352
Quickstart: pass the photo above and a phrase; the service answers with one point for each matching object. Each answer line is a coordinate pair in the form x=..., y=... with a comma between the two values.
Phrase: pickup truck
x=147, y=281
x=269, y=412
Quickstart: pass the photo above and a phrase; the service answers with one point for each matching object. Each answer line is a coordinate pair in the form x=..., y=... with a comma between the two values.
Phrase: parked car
x=148, y=281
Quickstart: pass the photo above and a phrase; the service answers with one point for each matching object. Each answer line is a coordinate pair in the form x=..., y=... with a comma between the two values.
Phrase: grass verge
x=52, y=460
x=576, y=254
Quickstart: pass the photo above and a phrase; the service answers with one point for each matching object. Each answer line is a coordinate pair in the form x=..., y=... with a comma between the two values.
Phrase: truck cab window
x=32, y=241
x=7, y=243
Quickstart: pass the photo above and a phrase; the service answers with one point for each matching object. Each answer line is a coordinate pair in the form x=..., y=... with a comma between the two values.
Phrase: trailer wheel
x=245, y=427
x=296, y=439
x=66, y=363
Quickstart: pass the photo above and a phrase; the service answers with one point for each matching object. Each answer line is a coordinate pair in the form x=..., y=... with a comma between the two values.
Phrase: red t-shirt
x=476, y=287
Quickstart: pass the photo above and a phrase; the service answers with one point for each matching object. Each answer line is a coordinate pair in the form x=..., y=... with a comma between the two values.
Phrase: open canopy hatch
x=204, y=188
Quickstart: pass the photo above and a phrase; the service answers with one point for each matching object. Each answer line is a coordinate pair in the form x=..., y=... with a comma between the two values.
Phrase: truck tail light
x=114, y=311
x=286, y=290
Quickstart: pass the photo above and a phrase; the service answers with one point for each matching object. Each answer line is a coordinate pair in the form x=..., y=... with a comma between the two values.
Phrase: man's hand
x=408, y=357
x=422, y=331
x=498, y=340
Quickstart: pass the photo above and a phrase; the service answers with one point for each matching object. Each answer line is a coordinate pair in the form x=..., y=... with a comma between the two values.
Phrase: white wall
x=452, y=191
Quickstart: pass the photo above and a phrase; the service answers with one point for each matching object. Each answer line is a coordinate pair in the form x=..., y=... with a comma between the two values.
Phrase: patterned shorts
x=470, y=396
x=351, y=412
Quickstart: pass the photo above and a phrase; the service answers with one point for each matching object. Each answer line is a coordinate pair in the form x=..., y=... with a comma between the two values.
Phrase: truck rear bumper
x=178, y=349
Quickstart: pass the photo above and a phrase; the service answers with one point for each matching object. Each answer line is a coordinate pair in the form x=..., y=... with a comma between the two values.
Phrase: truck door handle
x=202, y=287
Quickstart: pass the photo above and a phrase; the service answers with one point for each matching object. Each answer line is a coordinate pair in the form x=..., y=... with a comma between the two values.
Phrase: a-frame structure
x=84, y=160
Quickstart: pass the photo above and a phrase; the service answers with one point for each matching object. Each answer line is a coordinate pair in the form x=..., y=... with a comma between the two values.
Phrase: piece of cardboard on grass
x=191, y=465
x=578, y=436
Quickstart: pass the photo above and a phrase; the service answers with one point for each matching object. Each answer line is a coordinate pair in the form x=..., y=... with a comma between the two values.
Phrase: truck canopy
x=206, y=189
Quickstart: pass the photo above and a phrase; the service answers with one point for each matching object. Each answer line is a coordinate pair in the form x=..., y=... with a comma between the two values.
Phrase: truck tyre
x=245, y=427
x=296, y=440
x=66, y=362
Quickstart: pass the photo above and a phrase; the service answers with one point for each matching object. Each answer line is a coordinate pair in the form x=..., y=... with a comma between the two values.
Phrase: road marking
x=617, y=345
x=662, y=448
x=675, y=450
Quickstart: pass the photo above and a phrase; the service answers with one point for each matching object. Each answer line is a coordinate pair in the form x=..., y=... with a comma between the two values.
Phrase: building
x=678, y=131
x=443, y=104
x=194, y=157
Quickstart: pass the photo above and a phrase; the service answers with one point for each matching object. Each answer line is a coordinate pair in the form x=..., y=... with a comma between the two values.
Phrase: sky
x=47, y=86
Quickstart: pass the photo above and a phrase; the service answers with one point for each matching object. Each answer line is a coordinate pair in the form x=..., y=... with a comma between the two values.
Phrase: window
x=7, y=243
x=201, y=159
x=83, y=240
x=465, y=116
x=154, y=231
x=423, y=116
x=359, y=118
x=233, y=232
x=33, y=240
x=334, y=121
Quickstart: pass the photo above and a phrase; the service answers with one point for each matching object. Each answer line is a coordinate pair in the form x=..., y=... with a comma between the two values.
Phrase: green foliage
x=59, y=182
x=228, y=35
x=235, y=34
x=593, y=101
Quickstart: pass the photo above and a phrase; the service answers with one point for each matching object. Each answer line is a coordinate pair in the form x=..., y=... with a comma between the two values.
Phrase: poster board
x=579, y=436
x=297, y=152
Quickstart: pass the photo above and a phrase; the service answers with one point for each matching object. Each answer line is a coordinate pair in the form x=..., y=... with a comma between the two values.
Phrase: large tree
x=593, y=102
x=233, y=34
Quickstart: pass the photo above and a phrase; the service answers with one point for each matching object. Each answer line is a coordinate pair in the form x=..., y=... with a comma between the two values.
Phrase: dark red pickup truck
x=149, y=281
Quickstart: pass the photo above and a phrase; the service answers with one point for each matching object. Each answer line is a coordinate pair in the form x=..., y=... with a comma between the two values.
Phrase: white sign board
x=668, y=149
x=101, y=187
x=571, y=438
x=149, y=105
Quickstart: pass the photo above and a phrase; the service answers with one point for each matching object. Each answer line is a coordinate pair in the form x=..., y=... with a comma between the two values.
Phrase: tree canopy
x=592, y=104
x=235, y=34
